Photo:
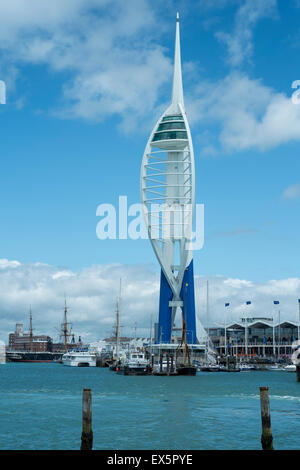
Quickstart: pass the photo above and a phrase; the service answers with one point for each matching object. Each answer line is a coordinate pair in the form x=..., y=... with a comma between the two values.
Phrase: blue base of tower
x=187, y=295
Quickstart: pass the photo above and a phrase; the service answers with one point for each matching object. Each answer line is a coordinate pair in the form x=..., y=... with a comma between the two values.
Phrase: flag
x=299, y=301
x=248, y=302
x=276, y=302
x=265, y=339
x=227, y=305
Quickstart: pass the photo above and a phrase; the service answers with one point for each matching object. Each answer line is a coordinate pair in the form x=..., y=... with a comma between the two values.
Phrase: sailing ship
x=30, y=355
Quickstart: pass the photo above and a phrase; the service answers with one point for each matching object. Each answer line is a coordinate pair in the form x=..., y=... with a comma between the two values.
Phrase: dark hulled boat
x=28, y=356
x=186, y=370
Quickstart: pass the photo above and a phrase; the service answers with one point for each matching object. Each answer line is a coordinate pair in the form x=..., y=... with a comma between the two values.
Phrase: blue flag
x=276, y=302
x=227, y=305
x=248, y=302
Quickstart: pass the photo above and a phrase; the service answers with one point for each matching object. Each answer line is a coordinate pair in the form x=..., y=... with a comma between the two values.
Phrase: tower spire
x=177, y=92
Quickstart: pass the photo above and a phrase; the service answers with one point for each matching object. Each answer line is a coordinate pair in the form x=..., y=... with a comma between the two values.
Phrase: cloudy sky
x=86, y=80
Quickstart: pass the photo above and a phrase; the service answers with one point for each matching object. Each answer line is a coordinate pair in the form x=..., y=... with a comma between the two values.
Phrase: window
x=175, y=117
x=169, y=135
x=170, y=125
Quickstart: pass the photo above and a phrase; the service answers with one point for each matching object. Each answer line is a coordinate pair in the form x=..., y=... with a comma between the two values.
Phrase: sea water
x=41, y=408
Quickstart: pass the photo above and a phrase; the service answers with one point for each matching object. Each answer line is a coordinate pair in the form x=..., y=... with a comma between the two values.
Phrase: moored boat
x=79, y=359
x=134, y=364
x=290, y=368
x=29, y=356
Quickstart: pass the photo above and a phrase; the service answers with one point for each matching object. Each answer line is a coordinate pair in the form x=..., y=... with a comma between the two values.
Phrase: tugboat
x=135, y=364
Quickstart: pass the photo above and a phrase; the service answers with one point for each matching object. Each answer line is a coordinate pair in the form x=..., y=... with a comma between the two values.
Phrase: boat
x=246, y=367
x=275, y=367
x=30, y=356
x=230, y=369
x=290, y=368
x=182, y=369
x=79, y=359
x=134, y=364
x=209, y=368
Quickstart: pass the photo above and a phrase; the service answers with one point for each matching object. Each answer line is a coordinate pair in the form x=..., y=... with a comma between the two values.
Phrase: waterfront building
x=167, y=194
x=20, y=341
x=255, y=337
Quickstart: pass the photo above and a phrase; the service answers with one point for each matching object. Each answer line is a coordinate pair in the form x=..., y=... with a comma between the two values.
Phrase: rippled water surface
x=41, y=409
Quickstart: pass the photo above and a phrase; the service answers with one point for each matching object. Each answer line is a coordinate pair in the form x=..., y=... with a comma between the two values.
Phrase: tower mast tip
x=177, y=16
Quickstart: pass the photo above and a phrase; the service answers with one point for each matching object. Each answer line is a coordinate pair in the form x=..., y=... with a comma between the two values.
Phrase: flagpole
x=299, y=322
x=207, y=319
x=276, y=302
x=225, y=333
x=279, y=334
x=274, y=352
x=225, y=330
x=246, y=332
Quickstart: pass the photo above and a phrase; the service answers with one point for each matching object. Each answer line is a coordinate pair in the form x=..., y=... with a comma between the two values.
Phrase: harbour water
x=41, y=409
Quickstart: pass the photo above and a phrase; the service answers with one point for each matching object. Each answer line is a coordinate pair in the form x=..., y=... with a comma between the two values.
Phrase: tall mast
x=64, y=329
x=30, y=330
x=207, y=318
x=118, y=322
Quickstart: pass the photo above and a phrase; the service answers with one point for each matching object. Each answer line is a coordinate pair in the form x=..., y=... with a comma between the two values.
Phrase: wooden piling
x=266, y=437
x=298, y=372
x=87, y=433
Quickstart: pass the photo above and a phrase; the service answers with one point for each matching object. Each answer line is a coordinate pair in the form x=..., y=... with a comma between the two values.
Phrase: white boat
x=290, y=368
x=79, y=359
x=275, y=367
x=245, y=367
x=134, y=364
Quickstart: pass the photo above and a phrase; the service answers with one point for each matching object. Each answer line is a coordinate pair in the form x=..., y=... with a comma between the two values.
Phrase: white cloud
x=250, y=115
x=110, y=48
x=91, y=297
x=292, y=192
x=5, y=263
x=240, y=41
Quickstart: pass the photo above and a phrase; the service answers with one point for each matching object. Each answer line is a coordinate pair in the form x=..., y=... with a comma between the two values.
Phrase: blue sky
x=86, y=81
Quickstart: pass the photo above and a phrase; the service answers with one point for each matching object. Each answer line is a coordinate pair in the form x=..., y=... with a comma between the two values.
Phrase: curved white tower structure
x=167, y=194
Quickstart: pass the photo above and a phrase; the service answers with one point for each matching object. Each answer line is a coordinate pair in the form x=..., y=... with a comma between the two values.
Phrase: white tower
x=167, y=194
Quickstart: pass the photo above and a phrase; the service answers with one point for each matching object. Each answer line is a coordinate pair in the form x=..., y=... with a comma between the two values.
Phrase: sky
x=85, y=82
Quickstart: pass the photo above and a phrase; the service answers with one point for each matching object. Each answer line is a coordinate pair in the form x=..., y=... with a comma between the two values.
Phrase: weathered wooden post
x=168, y=364
x=87, y=433
x=298, y=372
x=160, y=363
x=266, y=437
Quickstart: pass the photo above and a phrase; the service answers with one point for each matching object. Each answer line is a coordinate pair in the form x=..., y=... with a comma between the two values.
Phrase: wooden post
x=298, y=372
x=266, y=437
x=168, y=364
x=160, y=363
x=87, y=433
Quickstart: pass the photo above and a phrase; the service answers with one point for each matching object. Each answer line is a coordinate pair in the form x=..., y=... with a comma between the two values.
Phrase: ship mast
x=30, y=329
x=64, y=327
x=118, y=322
